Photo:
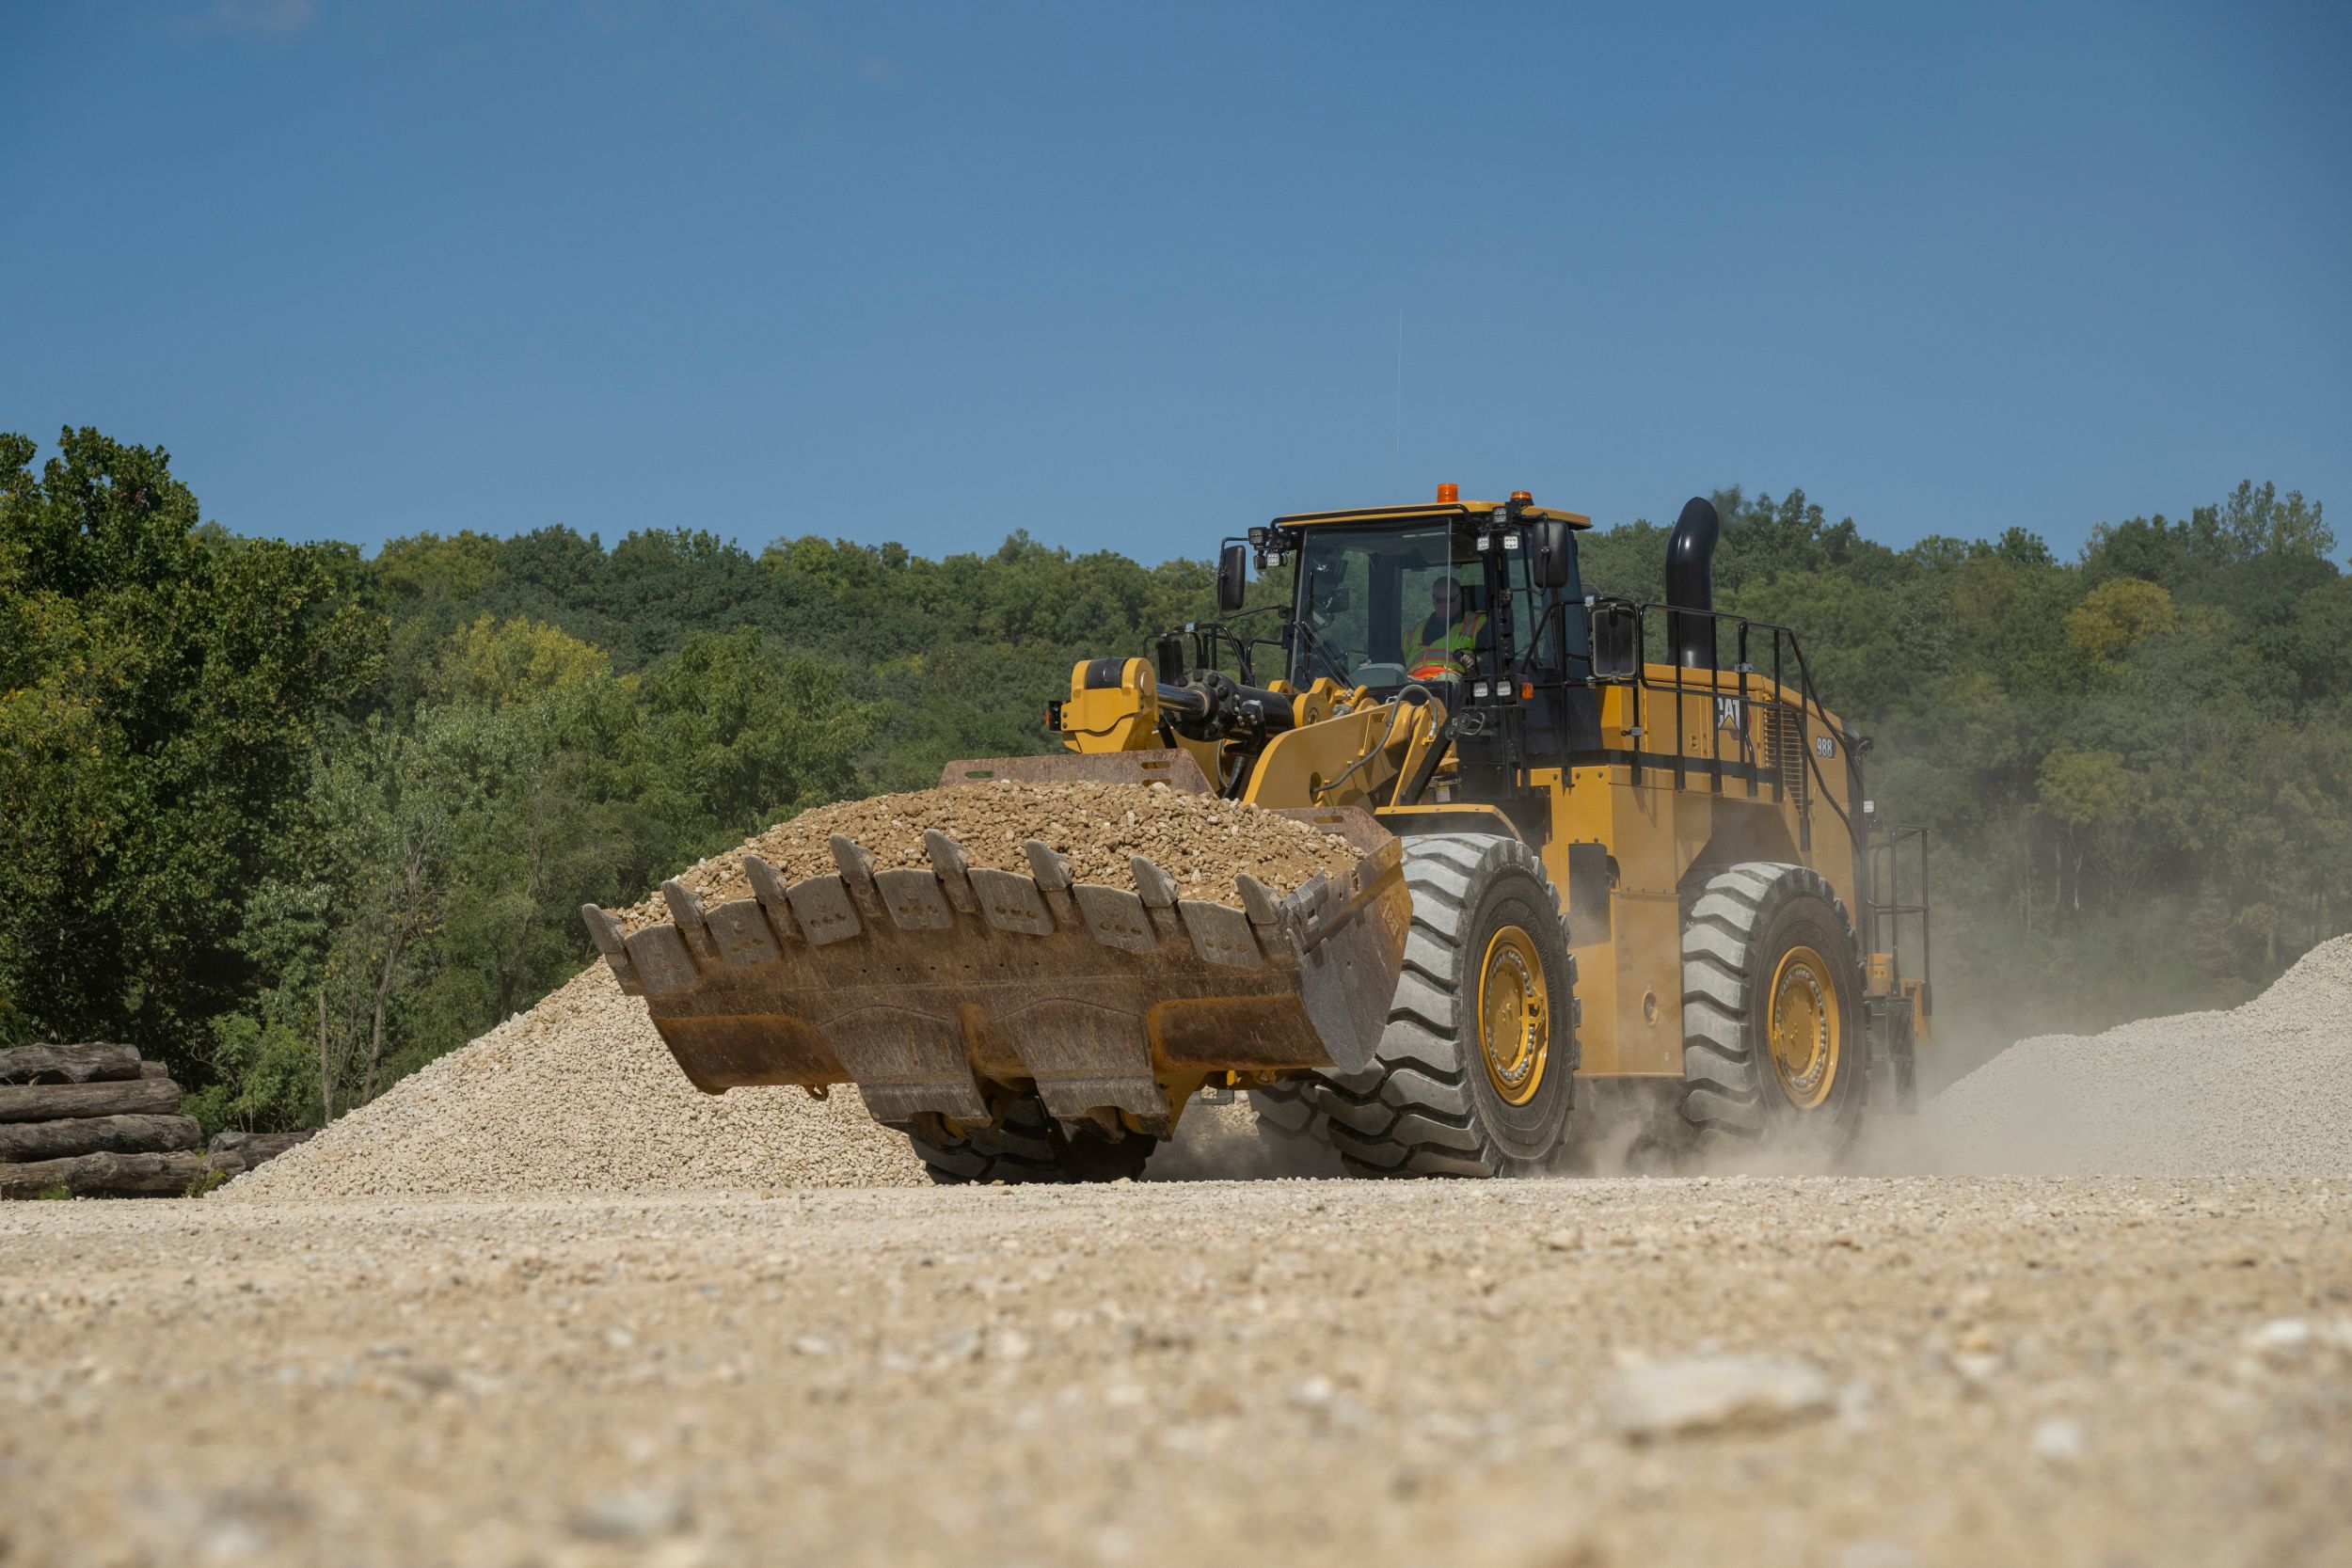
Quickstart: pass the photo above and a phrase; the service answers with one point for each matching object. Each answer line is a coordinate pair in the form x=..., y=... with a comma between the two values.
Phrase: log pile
x=97, y=1121
x=234, y=1152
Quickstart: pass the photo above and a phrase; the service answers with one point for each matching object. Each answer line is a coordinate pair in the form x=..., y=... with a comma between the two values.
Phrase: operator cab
x=1478, y=602
x=1382, y=607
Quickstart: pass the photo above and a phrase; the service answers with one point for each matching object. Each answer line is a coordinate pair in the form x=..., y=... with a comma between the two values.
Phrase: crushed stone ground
x=2072, y=1374
x=2262, y=1090
x=617, y=1350
x=1202, y=840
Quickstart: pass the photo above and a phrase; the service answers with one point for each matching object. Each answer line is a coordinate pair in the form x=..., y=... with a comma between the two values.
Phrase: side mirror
x=1554, y=555
x=1232, y=576
x=1617, y=633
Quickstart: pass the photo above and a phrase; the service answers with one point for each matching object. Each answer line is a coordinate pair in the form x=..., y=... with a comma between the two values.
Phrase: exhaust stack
x=1690, y=583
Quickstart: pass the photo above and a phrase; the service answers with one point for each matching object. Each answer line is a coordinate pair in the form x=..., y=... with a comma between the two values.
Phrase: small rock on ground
x=1711, y=1393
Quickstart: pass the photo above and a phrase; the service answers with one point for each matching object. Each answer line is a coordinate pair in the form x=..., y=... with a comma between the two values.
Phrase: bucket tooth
x=915, y=900
x=1011, y=902
x=1220, y=934
x=1156, y=886
x=768, y=889
x=950, y=865
x=1264, y=906
x=1052, y=875
x=611, y=942
x=857, y=871
x=1157, y=891
x=850, y=855
x=1047, y=865
x=658, y=954
x=741, y=932
x=685, y=910
x=686, y=913
x=821, y=907
x=948, y=856
x=1114, y=916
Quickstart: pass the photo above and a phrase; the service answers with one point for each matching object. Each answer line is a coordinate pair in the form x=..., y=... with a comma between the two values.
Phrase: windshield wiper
x=1331, y=660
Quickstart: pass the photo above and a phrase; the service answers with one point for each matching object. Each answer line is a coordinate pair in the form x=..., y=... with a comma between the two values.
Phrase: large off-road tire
x=1285, y=1114
x=1475, y=1072
x=1027, y=1145
x=1774, y=1054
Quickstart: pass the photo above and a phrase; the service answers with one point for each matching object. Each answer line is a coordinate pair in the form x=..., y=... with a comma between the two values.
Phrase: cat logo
x=1731, y=713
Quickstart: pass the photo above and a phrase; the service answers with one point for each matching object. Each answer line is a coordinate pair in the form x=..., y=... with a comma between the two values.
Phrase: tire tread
x=1413, y=1112
x=1724, y=1088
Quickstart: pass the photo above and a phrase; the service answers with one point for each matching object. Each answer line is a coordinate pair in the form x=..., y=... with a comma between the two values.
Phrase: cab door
x=1563, y=709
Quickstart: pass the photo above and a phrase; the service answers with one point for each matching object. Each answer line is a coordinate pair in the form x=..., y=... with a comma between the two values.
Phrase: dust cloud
x=2264, y=1089
x=1225, y=1141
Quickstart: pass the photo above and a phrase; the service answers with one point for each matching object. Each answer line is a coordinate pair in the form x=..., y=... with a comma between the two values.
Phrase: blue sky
x=1134, y=278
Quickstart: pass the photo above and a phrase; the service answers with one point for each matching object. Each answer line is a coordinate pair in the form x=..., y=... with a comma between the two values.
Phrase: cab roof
x=1431, y=510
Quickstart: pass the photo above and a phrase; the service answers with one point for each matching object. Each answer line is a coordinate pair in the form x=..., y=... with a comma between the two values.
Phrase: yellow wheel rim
x=1514, y=1016
x=1803, y=1027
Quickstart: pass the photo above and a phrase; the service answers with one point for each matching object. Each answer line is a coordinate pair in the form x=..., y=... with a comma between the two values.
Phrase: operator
x=1447, y=633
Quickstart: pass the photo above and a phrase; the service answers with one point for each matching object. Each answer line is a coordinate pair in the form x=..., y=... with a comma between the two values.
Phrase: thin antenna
x=1398, y=452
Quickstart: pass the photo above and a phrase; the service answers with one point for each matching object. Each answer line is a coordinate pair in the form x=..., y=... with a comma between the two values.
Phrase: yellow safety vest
x=1435, y=660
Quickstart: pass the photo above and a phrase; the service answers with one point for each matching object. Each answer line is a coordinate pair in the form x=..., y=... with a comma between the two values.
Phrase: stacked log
x=105, y=1176
x=94, y=1121
x=69, y=1064
x=97, y=1121
x=234, y=1152
x=125, y=1134
x=129, y=1096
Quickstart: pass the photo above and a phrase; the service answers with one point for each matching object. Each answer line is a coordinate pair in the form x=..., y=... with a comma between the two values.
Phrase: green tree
x=162, y=686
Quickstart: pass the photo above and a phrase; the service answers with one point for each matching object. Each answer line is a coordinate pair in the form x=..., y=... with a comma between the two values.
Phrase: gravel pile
x=1200, y=840
x=580, y=1095
x=2263, y=1090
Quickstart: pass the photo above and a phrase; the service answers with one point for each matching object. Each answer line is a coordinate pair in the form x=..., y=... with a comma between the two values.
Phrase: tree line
x=297, y=821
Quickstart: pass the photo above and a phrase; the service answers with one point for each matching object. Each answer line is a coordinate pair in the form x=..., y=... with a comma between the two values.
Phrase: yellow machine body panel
x=1758, y=775
x=1753, y=786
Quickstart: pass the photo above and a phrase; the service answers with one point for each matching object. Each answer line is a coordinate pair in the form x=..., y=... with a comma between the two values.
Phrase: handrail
x=1890, y=914
x=1808, y=705
x=1806, y=708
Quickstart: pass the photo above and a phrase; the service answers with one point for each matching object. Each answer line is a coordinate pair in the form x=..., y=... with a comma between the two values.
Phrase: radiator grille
x=1785, y=740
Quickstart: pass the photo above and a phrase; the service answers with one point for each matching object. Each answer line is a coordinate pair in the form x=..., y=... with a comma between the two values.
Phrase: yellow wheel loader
x=1596, y=840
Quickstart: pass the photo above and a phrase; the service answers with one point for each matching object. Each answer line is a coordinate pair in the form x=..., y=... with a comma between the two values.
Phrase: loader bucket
x=924, y=986
x=1174, y=767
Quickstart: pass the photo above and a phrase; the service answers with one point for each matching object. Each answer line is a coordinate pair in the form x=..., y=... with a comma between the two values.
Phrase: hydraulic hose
x=1421, y=696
